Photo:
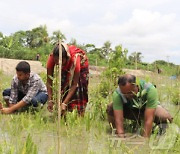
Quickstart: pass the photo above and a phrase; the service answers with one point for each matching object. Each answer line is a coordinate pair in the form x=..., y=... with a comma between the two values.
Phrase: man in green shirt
x=134, y=102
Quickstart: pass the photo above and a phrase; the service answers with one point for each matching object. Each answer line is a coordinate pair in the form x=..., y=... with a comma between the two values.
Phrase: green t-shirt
x=151, y=97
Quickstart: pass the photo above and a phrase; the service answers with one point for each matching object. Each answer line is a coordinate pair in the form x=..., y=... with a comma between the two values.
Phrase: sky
x=151, y=27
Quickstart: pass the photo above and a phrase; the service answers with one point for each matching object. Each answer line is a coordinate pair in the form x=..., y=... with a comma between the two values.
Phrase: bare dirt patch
x=138, y=72
x=8, y=66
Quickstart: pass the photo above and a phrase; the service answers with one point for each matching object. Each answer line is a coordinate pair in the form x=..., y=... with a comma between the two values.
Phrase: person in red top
x=74, y=78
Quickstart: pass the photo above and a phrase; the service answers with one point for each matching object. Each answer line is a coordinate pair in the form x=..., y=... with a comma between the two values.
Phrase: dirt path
x=139, y=73
x=8, y=66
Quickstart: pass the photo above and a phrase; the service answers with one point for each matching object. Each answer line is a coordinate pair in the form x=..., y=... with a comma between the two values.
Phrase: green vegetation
x=27, y=44
x=36, y=131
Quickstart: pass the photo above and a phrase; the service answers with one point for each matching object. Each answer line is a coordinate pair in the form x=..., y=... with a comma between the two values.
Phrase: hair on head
x=127, y=78
x=23, y=66
x=56, y=51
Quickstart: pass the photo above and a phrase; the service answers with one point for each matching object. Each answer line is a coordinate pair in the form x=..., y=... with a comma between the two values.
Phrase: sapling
x=139, y=101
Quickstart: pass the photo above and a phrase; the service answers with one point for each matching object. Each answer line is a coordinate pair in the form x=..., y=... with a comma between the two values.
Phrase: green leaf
x=136, y=103
x=138, y=94
x=143, y=92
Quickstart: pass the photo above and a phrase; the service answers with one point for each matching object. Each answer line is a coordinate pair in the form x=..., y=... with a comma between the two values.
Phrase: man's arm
x=148, y=121
x=13, y=107
x=152, y=101
x=119, y=119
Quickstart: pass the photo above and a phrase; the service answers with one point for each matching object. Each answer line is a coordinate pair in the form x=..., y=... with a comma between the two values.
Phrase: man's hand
x=119, y=119
x=6, y=110
x=122, y=135
x=13, y=107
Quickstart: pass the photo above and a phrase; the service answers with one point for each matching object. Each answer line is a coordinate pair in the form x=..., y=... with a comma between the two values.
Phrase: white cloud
x=149, y=27
x=109, y=17
x=54, y=24
x=153, y=34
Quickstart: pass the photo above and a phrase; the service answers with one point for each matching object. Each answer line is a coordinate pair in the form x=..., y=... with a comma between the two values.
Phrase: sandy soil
x=138, y=72
x=8, y=67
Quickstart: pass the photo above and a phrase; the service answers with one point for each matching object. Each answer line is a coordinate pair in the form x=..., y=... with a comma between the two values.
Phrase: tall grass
x=35, y=131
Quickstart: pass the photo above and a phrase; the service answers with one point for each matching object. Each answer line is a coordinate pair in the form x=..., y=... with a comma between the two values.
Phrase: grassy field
x=37, y=131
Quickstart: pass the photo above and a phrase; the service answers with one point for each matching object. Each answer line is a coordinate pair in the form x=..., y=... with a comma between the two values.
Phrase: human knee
x=162, y=115
x=6, y=94
x=164, y=119
x=34, y=102
x=40, y=98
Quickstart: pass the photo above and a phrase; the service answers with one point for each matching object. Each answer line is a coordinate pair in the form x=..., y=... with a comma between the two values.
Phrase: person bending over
x=123, y=105
x=74, y=77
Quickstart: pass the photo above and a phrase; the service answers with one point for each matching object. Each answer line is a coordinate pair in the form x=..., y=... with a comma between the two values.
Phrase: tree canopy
x=26, y=45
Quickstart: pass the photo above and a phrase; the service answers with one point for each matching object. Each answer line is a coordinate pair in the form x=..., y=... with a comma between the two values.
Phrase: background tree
x=37, y=37
x=1, y=35
x=19, y=38
x=117, y=62
x=90, y=47
x=136, y=56
x=106, y=49
x=73, y=41
x=56, y=36
x=26, y=45
x=7, y=42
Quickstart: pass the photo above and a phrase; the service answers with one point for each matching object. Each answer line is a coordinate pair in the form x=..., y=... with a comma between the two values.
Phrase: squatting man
x=122, y=105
